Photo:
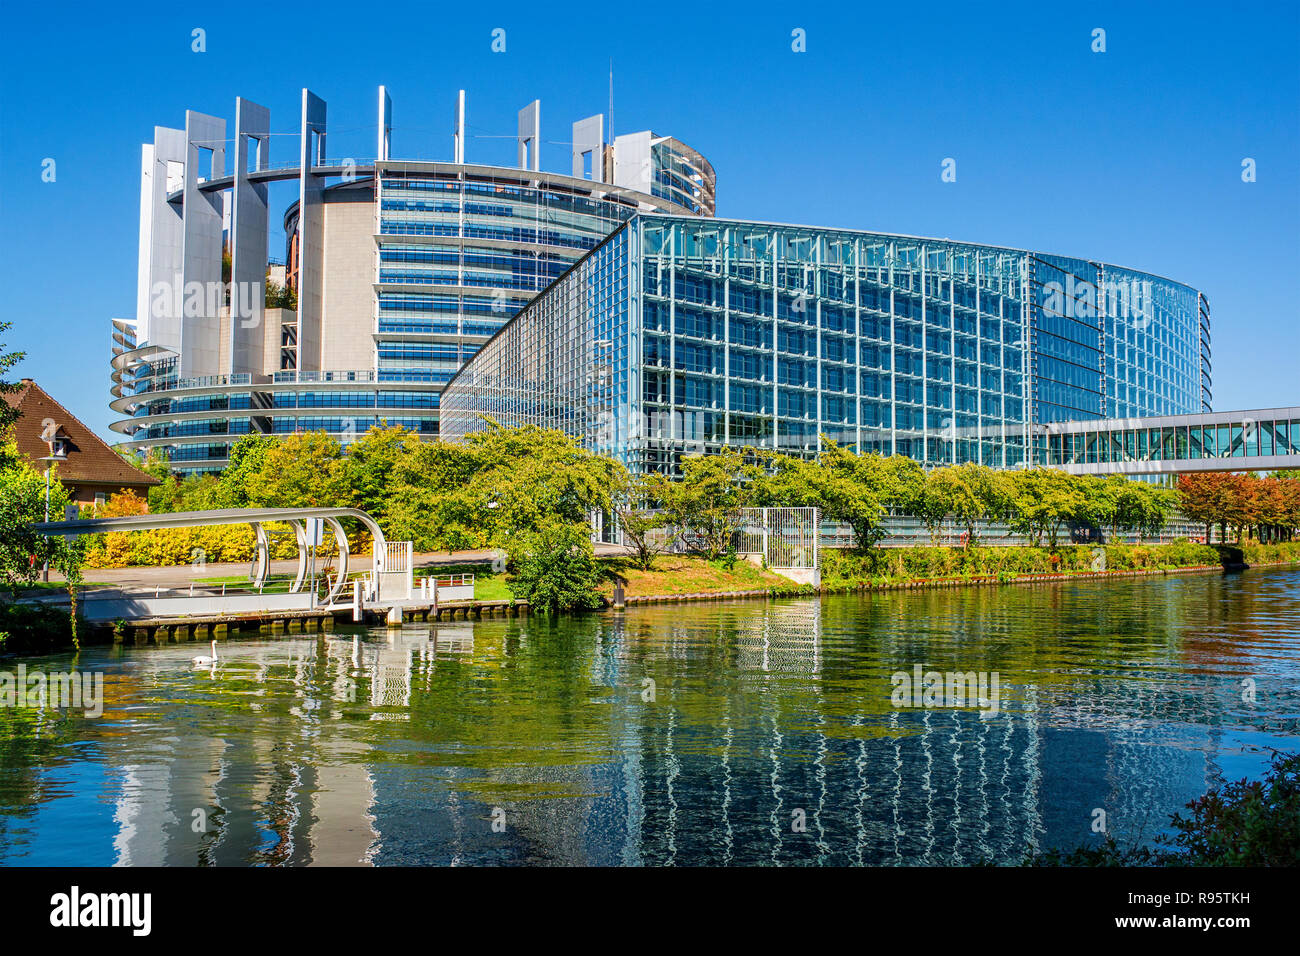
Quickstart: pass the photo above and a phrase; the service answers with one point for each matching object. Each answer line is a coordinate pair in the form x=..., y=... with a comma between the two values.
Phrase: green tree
x=528, y=478
x=303, y=470
x=280, y=296
x=706, y=501
x=1096, y=503
x=902, y=481
x=8, y=414
x=966, y=489
x=555, y=568
x=244, y=470
x=496, y=484
x=1044, y=499
x=1109, y=506
x=646, y=527
x=1152, y=507
x=856, y=489
x=23, y=550
x=417, y=508
x=370, y=464
x=935, y=500
x=995, y=490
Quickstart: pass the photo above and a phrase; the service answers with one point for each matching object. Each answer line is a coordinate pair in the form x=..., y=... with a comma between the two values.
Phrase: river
x=737, y=733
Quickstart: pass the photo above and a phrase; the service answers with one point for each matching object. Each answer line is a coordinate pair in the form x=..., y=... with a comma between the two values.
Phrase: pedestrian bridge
x=389, y=583
x=1264, y=439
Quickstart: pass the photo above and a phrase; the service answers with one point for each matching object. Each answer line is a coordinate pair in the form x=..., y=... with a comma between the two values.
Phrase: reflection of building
x=90, y=470
x=761, y=712
x=269, y=794
x=397, y=270
x=454, y=639
x=786, y=639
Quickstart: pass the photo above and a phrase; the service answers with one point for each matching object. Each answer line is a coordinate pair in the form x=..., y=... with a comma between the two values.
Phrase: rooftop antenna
x=611, y=99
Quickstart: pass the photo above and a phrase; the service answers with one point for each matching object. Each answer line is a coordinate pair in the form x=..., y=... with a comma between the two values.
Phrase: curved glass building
x=396, y=272
x=680, y=335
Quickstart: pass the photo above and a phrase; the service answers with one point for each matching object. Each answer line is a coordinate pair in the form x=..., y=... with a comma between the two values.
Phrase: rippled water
x=674, y=734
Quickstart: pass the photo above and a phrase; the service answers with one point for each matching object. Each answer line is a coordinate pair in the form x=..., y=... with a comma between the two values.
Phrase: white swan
x=203, y=661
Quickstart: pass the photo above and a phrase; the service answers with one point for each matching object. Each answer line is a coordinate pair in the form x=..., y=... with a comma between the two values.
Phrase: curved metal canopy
x=257, y=517
x=198, y=519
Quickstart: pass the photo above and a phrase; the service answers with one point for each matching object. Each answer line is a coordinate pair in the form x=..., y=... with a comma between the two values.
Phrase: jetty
x=389, y=591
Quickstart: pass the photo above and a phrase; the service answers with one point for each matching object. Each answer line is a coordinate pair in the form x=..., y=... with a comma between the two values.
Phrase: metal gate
x=784, y=537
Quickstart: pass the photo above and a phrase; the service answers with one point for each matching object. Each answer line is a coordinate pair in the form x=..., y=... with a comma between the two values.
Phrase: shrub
x=177, y=546
x=555, y=569
x=1247, y=823
x=1255, y=553
x=1185, y=554
x=841, y=568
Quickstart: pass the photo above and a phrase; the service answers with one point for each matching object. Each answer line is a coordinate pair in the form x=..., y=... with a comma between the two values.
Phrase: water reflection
x=744, y=733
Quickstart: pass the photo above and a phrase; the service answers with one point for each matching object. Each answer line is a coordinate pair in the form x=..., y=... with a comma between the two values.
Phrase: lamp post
x=56, y=454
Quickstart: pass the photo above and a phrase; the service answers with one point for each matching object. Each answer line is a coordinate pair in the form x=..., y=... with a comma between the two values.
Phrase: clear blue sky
x=1132, y=156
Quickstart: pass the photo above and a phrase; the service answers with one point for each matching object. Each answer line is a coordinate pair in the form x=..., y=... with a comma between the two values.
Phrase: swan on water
x=203, y=661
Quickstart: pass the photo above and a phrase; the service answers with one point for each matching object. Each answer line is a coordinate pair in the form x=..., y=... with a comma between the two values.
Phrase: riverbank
x=27, y=630
x=941, y=567
x=887, y=584
x=676, y=578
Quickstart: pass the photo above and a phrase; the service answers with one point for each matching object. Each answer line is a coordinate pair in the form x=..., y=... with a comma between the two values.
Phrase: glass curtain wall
x=698, y=334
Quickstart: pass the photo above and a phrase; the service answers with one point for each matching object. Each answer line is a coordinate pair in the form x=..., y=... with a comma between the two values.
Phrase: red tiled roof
x=90, y=460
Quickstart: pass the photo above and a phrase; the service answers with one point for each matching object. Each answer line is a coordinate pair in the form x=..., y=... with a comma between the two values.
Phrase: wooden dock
x=176, y=630
x=465, y=610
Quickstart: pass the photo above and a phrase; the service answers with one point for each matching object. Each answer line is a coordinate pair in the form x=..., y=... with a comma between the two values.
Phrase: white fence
x=785, y=538
x=903, y=531
x=448, y=587
x=792, y=538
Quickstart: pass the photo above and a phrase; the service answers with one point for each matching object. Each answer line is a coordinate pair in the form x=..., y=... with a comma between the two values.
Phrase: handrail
x=451, y=580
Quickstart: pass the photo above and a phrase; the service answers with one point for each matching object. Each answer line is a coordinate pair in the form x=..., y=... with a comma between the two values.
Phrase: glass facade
x=681, y=175
x=178, y=414
x=683, y=335
x=458, y=256
x=458, y=251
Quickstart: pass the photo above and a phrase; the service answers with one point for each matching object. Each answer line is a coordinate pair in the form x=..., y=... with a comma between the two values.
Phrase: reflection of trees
x=29, y=740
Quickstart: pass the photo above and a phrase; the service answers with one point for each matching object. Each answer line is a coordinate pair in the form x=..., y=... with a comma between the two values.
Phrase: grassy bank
x=688, y=574
x=489, y=585
x=672, y=574
x=29, y=629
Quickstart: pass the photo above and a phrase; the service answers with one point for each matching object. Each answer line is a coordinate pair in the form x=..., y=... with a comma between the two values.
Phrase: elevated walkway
x=1263, y=439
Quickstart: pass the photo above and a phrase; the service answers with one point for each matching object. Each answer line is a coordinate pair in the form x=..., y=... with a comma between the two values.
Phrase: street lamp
x=56, y=454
